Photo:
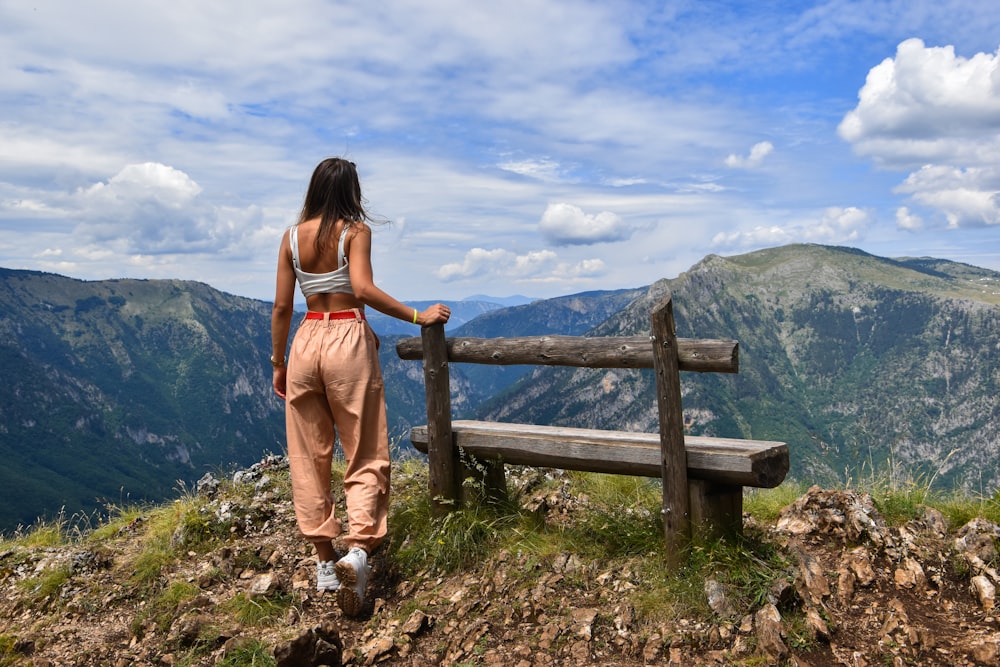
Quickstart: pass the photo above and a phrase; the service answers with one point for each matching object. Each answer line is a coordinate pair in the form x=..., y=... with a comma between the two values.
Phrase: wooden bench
x=703, y=477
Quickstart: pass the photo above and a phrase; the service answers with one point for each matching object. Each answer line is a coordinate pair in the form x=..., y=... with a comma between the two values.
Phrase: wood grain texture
x=694, y=354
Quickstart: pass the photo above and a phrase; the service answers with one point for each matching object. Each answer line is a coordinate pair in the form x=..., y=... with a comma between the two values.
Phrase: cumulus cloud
x=937, y=113
x=565, y=224
x=832, y=225
x=148, y=181
x=152, y=208
x=908, y=221
x=837, y=225
x=758, y=152
x=478, y=261
x=928, y=105
x=966, y=197
x=536, y=266
x=757, y=237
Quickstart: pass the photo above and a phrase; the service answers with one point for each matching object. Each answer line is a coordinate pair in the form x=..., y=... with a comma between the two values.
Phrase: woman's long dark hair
x=334, y=194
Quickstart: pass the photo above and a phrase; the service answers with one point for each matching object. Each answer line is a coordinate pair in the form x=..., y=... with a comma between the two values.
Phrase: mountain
x=115, y=390
x=505, y=301
x=862, y=364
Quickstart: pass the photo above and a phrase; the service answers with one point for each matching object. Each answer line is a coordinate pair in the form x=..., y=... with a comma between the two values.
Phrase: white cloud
x=838, y=225
x=477, y=262
x=534, y=263
x=541, y=266
x=966, y=197
x=152, y=208
x=543, y=170
x=758, y=152
x=938, y=113
x=907, y=220
x=928, y=105
x=144, y=182
x=565, y=224
x=625, y=182
x=832, y=225
x=757, y=237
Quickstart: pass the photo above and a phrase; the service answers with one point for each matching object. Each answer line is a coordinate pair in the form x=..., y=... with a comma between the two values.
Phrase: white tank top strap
x=293, y=241
x=341, y=257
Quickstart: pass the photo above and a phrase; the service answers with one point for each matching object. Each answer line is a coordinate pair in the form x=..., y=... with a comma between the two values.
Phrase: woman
x=332, y=378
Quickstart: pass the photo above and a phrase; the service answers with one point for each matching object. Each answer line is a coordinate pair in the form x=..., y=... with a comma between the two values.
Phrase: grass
x=118, y=521
x=901, y=493
x=259, y=610
x=41, y=589
x=44, y=534
x=746, y=567
x=9, y=655
x=420, y=540
x=616, y=520
x=766, y=504
x=251, y=653
x=622, y=516
x=170, y=532
x=161, y=608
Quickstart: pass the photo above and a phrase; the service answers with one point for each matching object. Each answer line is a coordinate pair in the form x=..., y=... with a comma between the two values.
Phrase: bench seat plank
x=757, y=463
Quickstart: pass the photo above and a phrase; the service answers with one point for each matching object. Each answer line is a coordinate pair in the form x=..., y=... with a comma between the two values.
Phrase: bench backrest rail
x=698, y=355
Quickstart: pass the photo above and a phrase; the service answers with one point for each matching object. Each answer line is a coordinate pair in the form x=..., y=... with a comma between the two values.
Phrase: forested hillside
x=115, y=390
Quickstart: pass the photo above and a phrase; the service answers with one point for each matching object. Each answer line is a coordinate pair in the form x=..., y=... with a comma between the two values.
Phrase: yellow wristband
x=414, y=315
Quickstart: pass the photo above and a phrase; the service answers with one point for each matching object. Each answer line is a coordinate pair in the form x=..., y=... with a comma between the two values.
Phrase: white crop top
x=321, y=283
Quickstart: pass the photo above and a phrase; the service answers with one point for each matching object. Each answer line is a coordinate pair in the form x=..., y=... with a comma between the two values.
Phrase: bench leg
x=489, y=482
x=716, y=509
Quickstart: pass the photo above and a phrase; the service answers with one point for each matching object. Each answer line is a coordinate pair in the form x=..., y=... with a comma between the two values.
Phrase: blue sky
x=519, y=147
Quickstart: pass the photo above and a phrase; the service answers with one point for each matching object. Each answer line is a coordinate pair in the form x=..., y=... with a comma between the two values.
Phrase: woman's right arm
x=359, y=259
x=281, y=314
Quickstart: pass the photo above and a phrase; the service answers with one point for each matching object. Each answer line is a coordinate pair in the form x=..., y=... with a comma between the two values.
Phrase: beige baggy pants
x=334, y=380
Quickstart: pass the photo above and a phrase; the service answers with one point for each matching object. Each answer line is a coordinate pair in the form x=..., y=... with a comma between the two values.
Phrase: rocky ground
x=860, y=592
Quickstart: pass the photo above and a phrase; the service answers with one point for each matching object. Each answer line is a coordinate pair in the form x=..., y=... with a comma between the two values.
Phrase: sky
x=521, y=147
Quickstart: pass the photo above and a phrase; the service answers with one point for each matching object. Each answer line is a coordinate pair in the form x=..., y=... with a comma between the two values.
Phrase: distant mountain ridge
x=114, y=390
x=461, y=312
x=505, y=301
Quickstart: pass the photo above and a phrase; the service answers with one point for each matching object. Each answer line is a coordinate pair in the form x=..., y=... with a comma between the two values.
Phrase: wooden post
x=716, y=509
x=489, y=480
x=676, y=507
x=443, y=462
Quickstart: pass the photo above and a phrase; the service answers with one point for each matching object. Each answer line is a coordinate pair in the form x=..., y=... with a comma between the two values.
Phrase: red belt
x=338, y=315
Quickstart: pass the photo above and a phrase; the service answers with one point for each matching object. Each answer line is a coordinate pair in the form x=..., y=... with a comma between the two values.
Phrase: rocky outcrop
x=899, y=580
x=854, y=591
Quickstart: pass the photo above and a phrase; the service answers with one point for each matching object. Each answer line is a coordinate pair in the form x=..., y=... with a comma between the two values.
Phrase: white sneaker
x=352, y=570
x=326, y=576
